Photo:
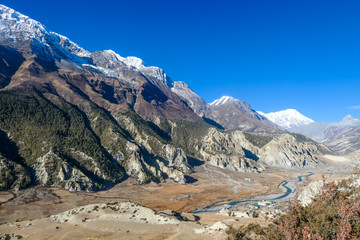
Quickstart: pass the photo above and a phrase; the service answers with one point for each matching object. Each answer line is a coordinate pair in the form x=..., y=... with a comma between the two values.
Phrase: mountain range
x=87, y=120
x=342, y=137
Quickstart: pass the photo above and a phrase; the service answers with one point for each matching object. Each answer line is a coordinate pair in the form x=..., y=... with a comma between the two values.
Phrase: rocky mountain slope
x=195, y=102
x=85, y=121
x=288, y=118
x=342, y=137
x=233, y=113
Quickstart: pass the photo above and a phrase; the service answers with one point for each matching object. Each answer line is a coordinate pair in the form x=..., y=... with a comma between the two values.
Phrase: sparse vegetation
x=38, y=125
x=302, y=138
x=5, y=237
x=254, y=231
x=334, y=214
x=258, y=140
x=188, y=134
x=13, y=175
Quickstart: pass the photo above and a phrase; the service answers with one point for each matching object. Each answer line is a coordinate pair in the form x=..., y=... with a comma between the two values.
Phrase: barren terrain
x=30, y=213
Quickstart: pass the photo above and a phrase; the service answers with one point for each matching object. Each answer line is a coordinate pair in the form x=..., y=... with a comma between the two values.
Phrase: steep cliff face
x=230, y=150
x=287, y=152
x=243, y=152
x=51, y=170
x=195, y=102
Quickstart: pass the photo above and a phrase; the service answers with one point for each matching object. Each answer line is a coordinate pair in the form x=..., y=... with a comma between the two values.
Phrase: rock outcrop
x=145, y=171
x=310, y=191
x=197, y=104
x=315, y=188
x=51, y=170
x=177, y=158
x=216, y=227
x=228, y=150
x=114, y=211
x=286, y=151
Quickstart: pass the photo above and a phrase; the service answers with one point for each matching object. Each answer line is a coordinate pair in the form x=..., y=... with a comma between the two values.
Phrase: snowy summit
x=16, y=27
x=288, y=118
x=222, y=100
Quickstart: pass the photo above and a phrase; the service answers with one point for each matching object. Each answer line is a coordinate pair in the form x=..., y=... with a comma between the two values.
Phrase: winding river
x=259, y=198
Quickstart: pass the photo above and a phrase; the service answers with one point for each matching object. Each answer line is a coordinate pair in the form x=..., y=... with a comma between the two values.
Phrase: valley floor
x=27, y=212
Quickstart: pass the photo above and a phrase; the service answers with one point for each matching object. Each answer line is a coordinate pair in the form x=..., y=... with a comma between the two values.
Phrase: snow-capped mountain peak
x=130, y=61
x=287, y=118
x=222, y=100
x=15, y=27
x=134, y=61
x=350, y=120
x=110, y=54
x=12, y=22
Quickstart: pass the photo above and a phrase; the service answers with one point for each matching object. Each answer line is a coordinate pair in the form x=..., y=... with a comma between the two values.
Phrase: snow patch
x=222, y=100
x=288, y=118
x=104, y=71
x=15, y=27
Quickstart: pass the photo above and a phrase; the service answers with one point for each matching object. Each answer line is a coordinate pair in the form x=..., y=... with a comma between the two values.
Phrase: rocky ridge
x=287, y=152
x=341, y=137
x=233, y=113
x=195, y=102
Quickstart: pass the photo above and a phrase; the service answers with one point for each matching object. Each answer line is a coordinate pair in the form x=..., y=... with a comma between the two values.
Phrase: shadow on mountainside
x=213, y=123
x=195, y=162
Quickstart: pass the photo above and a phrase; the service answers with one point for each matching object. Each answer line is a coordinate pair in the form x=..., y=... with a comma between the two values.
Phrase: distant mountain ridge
x=342, y=136
x=232, y=113
x=288, y=118
x=195, y=102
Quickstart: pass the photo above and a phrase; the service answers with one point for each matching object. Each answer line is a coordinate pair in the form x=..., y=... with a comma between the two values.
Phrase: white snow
x=112, y=54
x=15, y=26
x=287, y=118
x=139, y=65
x=349, y=120
x=134, y=61
x=104, y=71
x=12, y=22
x=222, y=100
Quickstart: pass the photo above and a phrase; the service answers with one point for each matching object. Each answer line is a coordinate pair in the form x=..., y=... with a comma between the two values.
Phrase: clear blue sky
x=273, y=54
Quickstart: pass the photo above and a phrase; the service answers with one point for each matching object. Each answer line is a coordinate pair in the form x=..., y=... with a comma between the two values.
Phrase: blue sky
x=272, y=54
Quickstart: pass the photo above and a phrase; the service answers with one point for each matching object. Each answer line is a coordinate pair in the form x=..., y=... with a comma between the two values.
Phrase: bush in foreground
x=334, y=214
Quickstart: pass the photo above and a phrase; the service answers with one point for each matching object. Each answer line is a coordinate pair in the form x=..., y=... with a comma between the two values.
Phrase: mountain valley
x=108, y=134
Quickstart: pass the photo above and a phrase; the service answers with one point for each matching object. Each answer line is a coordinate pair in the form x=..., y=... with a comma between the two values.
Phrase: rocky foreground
x=113, y=220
